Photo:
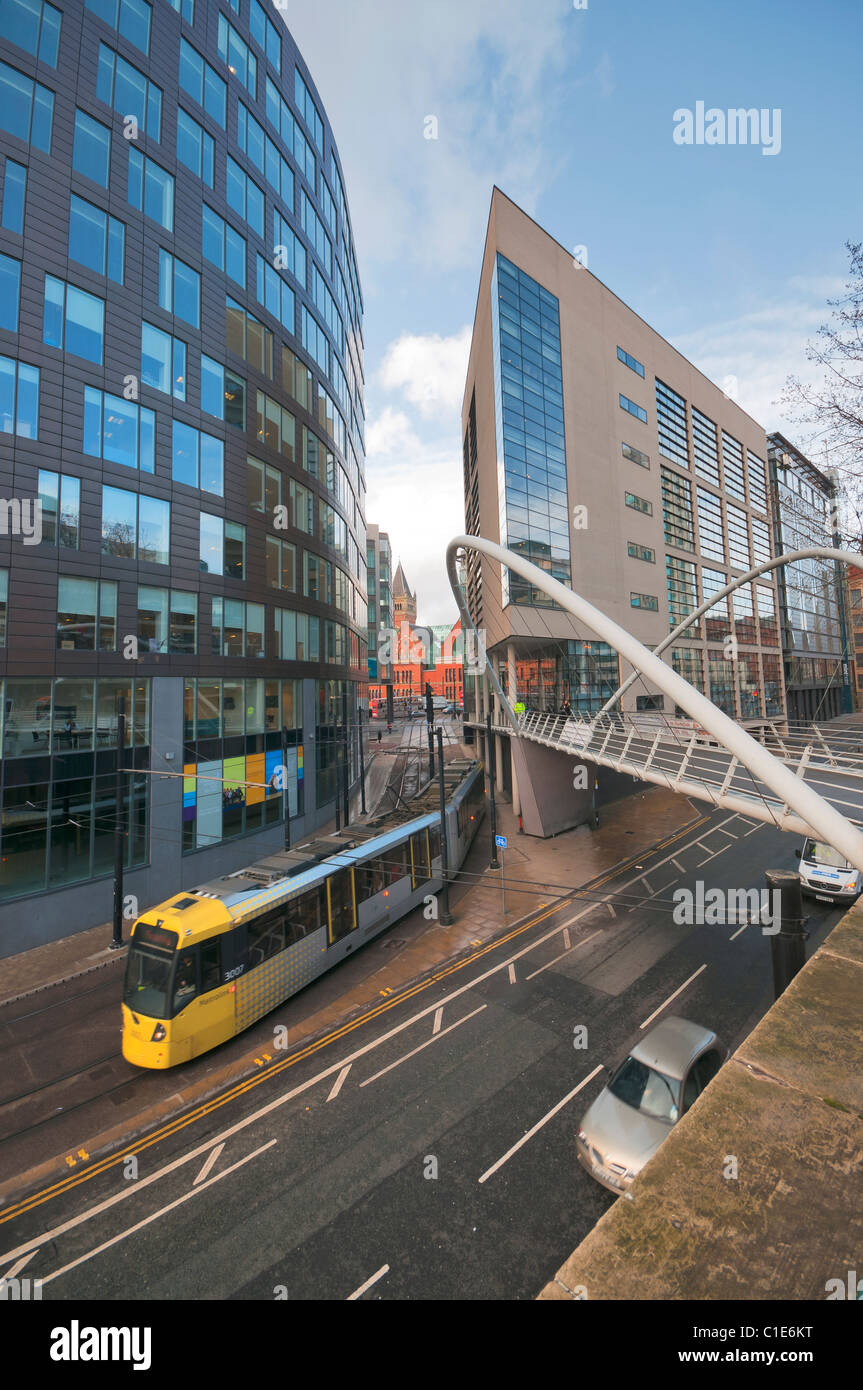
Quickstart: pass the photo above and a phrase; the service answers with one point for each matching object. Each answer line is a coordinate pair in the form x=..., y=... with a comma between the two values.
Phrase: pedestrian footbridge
x=804, y=778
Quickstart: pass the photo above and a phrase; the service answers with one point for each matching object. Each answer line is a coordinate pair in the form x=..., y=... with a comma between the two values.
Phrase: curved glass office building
x=182, y=491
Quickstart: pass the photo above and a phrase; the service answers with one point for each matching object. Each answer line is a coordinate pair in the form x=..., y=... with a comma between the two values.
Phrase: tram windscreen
x=148, y=970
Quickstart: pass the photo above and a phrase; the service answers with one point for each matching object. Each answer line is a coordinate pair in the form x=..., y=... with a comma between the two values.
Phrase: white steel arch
x=812, y=809
x=818, y=552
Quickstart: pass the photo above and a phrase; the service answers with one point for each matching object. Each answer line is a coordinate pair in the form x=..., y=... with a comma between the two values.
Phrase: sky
x=569, y=107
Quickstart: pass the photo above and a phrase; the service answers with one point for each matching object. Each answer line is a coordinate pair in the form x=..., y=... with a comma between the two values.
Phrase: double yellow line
x=209, y=1107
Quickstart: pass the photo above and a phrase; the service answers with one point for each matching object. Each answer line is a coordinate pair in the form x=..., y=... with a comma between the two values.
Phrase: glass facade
x=585, y=673
x=210, y=262
x=814, y=620
x=534, y=508
x=59, y=740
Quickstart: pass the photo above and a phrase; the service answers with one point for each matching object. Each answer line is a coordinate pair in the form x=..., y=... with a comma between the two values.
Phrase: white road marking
x=438, y=1018
x=129, y=1189
x=512, y=978
x=358, y=1293
x=339, y=1083
x=566, y=937
x=549, y=963
x=163, y=1211
x=208, y=1163
x=434, y=1037
x=673, y=996
x=18, y=1266
x=739, y=930
x=539, y=1124
x=679, y=867
x=611, y=910
x=729, y=833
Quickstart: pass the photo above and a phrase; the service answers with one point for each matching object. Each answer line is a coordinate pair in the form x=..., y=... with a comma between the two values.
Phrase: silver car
x=645, y=1097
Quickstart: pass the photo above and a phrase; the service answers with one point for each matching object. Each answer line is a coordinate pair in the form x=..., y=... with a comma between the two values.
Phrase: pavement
x=424, y=1147
x=99, y=1101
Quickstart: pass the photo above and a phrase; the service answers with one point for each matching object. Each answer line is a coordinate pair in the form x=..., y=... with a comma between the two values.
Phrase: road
x=429, y=1152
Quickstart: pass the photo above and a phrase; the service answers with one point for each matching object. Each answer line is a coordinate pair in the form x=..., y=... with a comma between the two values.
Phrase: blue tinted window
x=131, y=18
x=122, y=86
x=85, y=324
x=33, y=26
x=179, y=289
x=238, y=56
x=19, y=398
x=273, y=292
x=91, y=150
x=197, y=459
x=73, y=320
x=163, y=361
x=526, y=343
x=151, y=189
x=26, y=108
x=309, y=111
x=10, y=287
x=633, y=409
x=195, y=148
x=223, y=246
x=202, y=82
x=95, y=239
x=630, y=361
x=118, y=430
x=14, y=197
x=244, y=196
x=265, y=34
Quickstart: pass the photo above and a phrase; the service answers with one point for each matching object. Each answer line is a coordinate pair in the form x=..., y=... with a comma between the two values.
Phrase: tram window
x=343, y=917
x=434, y=842
x=266, y=937
x=371, y=878
x=307, y=913
x=185, y=980
x=395, y=862
x=211, y=966
x=419, y=852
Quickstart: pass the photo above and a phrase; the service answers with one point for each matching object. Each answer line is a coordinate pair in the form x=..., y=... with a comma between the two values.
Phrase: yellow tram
x=208, y=963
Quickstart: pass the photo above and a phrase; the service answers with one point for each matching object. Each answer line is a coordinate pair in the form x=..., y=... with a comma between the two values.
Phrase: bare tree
x=834, y=407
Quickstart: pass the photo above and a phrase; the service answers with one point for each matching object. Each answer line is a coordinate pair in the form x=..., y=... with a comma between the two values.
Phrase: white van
x=826, y=875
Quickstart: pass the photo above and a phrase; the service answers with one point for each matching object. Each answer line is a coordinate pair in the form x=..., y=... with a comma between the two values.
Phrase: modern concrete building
x=181, y=363
x=595, y=449
x=380, y=609
x=812, y=600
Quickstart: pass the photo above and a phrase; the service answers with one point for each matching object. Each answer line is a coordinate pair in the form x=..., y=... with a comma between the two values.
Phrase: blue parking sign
x=500, y=841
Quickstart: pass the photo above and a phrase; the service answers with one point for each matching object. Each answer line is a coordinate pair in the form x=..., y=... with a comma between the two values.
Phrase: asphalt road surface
x=428, y=1153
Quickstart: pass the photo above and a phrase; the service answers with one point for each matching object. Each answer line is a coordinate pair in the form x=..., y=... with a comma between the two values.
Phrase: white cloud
x=428, y=369
x=416, y=497
x=389, y=435
x=492, y=72
x=763, y=347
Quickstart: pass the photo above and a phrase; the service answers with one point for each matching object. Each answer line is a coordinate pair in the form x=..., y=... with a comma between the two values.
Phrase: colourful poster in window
x=255, y=773
x=190, y=786
x=234, y=782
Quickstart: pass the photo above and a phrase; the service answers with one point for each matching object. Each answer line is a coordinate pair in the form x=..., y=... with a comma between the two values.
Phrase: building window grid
x=677, y=517
x=682, y=589
x=732, y=467
x=705, y=446
x=671, y=426
x=711, y=535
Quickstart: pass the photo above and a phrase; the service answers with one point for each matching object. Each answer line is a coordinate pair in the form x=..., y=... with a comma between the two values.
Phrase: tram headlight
x=159, y=1033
